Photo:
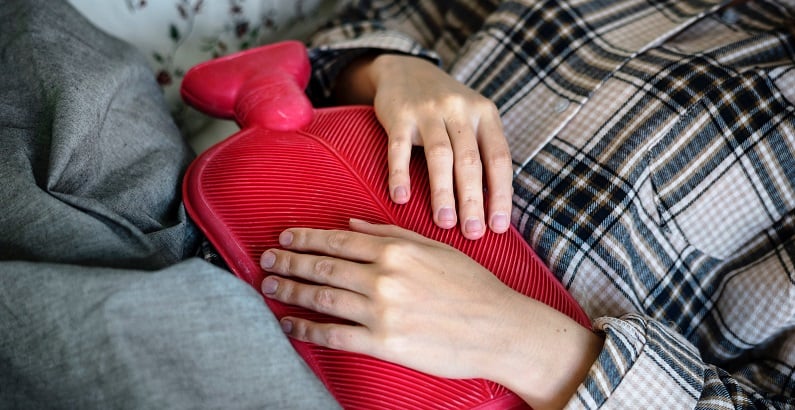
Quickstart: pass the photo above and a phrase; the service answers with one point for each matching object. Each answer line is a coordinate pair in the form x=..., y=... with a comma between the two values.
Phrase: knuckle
x=454, y=101
x=385, y=288
x=300, y=330
x=397, y=321
x=469, y=157
x=487, y=105
x=403, y=110
x=298, y=238
x=500, y=158
x=287, y=262
x=470, y=201
x=397, y=172
x=439, y=151
x=442, y=193
x=323, y=300
x=286, y=291
x=337, y=240
x=334, y=338
x=394, y=251
x=324, y=268
x=501, y=198
x=398, y=141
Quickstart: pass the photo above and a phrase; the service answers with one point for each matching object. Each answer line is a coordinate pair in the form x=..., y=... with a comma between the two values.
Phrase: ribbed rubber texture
x=244, y=191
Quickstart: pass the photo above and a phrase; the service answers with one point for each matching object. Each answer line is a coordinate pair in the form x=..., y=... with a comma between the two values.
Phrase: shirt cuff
x=643, y=364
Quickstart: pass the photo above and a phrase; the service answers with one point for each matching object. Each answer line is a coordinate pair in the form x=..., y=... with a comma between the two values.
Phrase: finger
x=332, y=335
x=389, y=231
x=439, y=158
x=468, y=171
x=328, y=300
x=352, y=246
x=499, y=171
x=398, y=157
x=324, y=270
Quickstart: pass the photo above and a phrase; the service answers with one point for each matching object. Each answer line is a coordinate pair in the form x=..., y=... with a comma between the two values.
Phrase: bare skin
x=429, y=307
x=461, y=132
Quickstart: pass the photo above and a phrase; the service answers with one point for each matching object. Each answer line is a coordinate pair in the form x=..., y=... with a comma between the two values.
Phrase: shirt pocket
x=725, y=173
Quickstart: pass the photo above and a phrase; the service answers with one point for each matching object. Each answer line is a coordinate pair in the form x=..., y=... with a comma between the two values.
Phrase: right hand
x=420, y=303
x=417, y=103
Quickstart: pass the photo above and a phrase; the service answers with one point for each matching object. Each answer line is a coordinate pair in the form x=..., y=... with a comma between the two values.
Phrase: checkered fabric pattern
x=654, y=154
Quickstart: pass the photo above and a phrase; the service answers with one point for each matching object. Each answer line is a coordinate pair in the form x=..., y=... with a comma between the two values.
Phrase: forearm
x=540, y=354
x=566, y=361
x=340, y=52
x=358, y=82
x=414, y=29
x=355, y=84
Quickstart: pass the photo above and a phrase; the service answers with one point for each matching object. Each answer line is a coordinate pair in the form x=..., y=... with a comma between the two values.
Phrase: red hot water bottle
x=292, y=165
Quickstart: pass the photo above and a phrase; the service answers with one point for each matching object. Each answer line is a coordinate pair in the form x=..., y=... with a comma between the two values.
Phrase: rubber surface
x=244, y=191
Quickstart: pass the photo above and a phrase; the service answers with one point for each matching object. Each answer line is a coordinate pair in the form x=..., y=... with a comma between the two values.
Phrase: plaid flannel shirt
x=654, y=153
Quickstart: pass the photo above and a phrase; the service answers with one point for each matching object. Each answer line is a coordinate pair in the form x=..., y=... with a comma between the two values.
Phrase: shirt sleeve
x=428, y=29
x=645, y=361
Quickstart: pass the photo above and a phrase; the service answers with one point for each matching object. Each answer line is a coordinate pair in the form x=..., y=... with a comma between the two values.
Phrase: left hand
x=421, y=304
x=418, y=103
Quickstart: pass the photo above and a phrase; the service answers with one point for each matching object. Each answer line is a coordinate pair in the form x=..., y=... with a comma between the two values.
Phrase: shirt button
x=561, y=106
x=729, y=16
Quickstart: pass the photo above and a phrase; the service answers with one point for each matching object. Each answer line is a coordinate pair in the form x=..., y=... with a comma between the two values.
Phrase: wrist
x=550, y=355
x=565, y=366
x=354, y=84
x=379, y=67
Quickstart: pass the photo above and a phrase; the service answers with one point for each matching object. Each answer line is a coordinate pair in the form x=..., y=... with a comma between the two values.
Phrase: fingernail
x=267, y=260
x=286, y=238
x=446, y=216
x=287, y=326
x=269, y=285
x=401, y=195
x=499, y=222
x=473, y=225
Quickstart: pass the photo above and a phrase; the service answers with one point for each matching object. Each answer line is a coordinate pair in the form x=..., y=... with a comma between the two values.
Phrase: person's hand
x=426, y=306
x=461, y=132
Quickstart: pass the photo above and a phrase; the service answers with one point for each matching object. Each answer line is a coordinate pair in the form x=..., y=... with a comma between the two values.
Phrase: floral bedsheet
x=177, y=34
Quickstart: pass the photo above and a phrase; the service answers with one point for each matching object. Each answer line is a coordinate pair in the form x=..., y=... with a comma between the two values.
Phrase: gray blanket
x=102, y=304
